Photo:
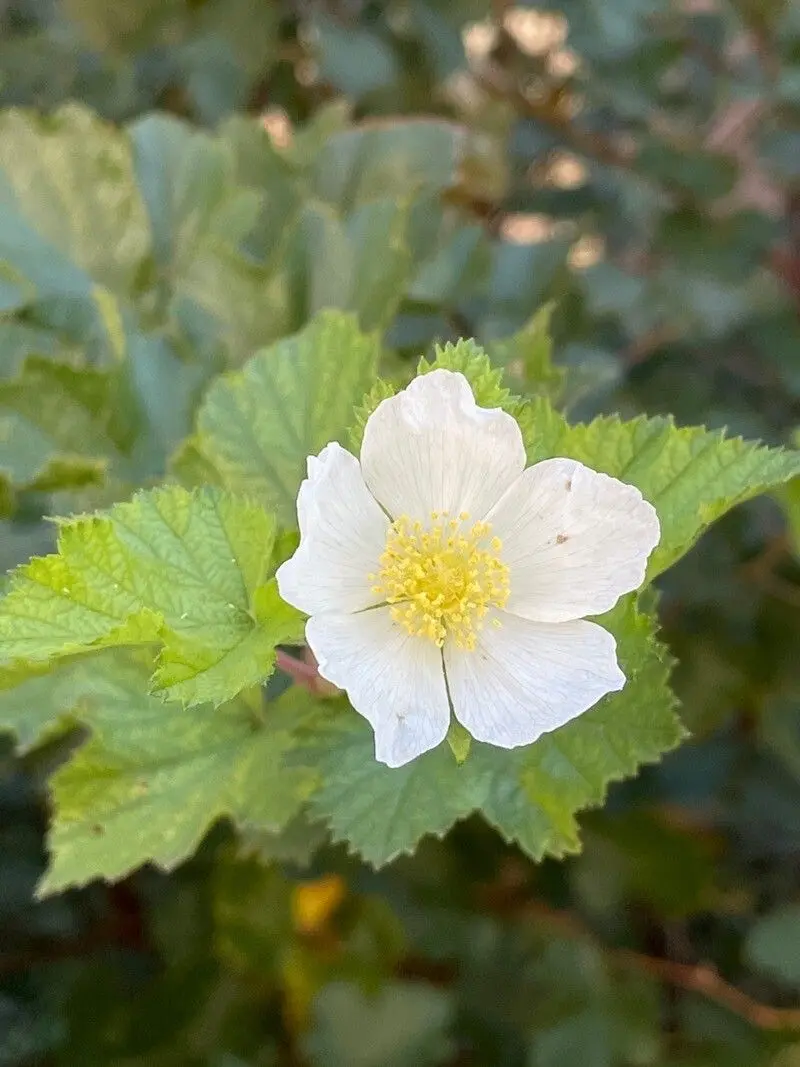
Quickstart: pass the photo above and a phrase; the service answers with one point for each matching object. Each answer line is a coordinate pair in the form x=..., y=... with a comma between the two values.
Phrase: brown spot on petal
x=561, y=538
x=568, y=485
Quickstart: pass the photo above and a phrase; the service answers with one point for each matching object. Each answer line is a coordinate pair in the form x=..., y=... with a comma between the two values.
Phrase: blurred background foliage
x=188, y=180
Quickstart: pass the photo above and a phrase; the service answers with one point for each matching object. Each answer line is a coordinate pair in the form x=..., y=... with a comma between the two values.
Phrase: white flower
x=440, y=572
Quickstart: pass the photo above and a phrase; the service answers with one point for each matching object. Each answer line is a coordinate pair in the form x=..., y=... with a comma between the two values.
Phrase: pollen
x=441, y=577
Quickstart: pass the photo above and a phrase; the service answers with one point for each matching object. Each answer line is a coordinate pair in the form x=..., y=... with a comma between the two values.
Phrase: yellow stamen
x=441, y=578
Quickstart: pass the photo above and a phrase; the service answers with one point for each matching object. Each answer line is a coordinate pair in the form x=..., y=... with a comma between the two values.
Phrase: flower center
x=441, y=578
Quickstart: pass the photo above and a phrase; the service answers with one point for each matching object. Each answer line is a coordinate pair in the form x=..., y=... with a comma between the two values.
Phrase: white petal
x=394, y=680
x=527, y=678
x=574, y=540
x=431, y=448
x=342, y=535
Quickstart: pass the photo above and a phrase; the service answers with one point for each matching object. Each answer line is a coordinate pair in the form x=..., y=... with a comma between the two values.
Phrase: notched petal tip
x=431, y=448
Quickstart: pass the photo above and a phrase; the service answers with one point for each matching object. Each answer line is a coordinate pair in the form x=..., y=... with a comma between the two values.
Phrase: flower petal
x=394, y=680
x=574, y=540
x=431, y=448
x=342, y=535
x=525, y=678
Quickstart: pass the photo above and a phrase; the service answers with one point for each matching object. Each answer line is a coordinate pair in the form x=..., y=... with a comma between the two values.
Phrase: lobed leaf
x=189, y=570
x=532, y=795
x=149, y=783
x=258, y=426
x=691, y=475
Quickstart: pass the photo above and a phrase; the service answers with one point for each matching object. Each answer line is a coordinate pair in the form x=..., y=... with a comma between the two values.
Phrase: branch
x=304, y=673
x=695, y=978
x=702, y=978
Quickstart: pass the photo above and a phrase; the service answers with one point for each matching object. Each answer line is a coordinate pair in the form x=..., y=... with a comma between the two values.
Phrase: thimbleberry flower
x=441, y=575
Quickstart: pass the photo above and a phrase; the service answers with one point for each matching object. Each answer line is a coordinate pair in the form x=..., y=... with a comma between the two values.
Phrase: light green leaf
x=359, y=264
x=381, y=390
x=789, y=497
x=151, y=780
x=355, y=61
x=202, y=212
x=247, y=301
x=18, y=340
x=324, y=124
x=182, y=174
x=690, y=475
x=319, y=258
x=297, y=843
x=527, y=356
x=459, y=741
x=56, y=418
x=773, y=945
x=51, y=231
x=15, y=291
x=190, y=671
x=189, y=569
x=468, y=358
x=257, y=427
x=188, y=182
x=405, y=1025
x=381, y=260
x=451, y=259
x=35, y=703
x=531, y=794
x=388, y=160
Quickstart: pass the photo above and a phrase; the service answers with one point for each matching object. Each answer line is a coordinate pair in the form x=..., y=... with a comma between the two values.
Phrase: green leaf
x=570, y=769
x=151, y=781
x=34, y=703
x=358, y=264
x=596, y=1018
x=18, y=340
x=405, y=1025
x=296, y=844
x=527, y=356
x=353, y=60
x=186, y=569
x=459, y=741
x=381, y=260
x=185, y=177
x=468, y=358
x=388, y=160
x=691, y=476
x=258, y=427
x=773, y=945
x=190, y=671
x=531, y=794
x=381, y=390
x=56, y=418
x=252, y=915
x=70, y=213
x=380, y=811
x=247, y=302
